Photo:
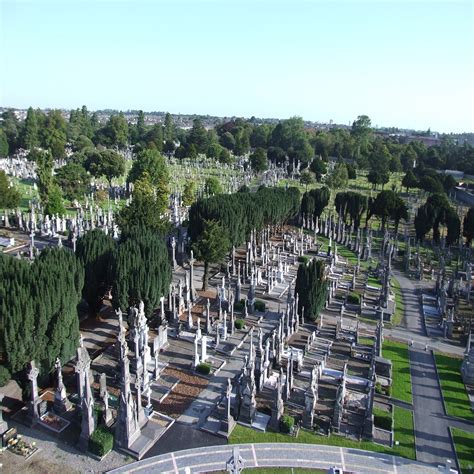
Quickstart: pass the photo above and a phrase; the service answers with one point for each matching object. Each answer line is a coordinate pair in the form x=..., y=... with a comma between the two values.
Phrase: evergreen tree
x=74, y=181
x=468, y=226
x=141, y=270
x=9, y=195
x=409, y=180
x=94, y=250
x=3, y=144
x=211, y=247
x=38, y=308
x=311, y=288
x=54, y=202
x=30, y=136
x=147, y=206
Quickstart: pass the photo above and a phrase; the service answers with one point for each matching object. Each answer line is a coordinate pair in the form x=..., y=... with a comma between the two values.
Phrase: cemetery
x=258, y=312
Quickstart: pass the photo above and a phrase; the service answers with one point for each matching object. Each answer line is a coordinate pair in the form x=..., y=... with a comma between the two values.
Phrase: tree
x=146, y=209
x=169, y=129
x=9, y=194
x=468, y=226
x=424, y=220
x=258, y=160
x=306, y=178
x=115, y=132
x=212, y=186
x=107, y=163
x=351, y=171
x=44, y=171
x=319, y=168
x=3, y=144
x=198, y=136
x=189, y=193
x=351, y=204
x=55, y=134
x=94, y=250
x=361, y=127
x=409, y=180
x=54, y=202
x=212, y=247
x=30, y=134
x=276, y=155
x=225, y=156
x=314, y=202
x=153, y=164
x=311, y=287
x=73, y=180
x=387, y=205
x=338, y=177
x=38, y=308
x=431, y=184
x=140, y=270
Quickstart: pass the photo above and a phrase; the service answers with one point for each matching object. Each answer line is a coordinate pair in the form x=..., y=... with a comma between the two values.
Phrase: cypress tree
x=312, y=287
x=38, y=308
x=141, y=270
x=95, y=250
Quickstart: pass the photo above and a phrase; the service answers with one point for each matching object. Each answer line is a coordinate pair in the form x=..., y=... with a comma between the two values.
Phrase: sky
x=403, y=63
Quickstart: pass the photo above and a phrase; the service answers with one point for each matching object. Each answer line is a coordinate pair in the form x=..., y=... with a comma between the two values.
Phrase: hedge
x=239, y=324
x=204, y=368
x=101, y=441
x=286, y=423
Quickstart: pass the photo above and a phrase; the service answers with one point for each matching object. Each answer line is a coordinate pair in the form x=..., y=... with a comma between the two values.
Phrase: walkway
x=432, y=440
x=309, y=456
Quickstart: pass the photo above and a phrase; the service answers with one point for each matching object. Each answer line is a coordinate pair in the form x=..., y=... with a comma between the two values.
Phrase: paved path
x=432, y=440
x=309, y=456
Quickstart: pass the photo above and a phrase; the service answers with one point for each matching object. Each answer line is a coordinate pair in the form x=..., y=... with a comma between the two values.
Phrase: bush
x=353, y=298
x=303, y=259
x=259, y=305
x=5, y=376
x=239, y=305
x=239, y=324
x=101, y=441
x=388, y=390
x=204, y=368
x=286, y=423
x=378, y=387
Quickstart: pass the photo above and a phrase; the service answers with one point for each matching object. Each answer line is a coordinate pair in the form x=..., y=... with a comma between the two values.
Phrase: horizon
x=377, y=59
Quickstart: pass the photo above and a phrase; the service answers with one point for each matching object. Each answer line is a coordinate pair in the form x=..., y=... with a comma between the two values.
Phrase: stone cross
x=33, y=378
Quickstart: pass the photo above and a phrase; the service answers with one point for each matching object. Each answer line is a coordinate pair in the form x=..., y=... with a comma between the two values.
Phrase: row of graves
x=322, y=375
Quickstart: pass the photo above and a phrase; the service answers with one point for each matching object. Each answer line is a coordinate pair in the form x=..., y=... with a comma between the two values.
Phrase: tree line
x=39, y=300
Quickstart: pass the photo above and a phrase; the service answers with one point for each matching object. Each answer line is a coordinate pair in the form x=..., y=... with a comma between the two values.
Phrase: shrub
x=204, y=368
x=239, y=324
x=259, y=305
x=5, y=376
x=388, y=390
x=101, y=441
x=286, y=423
x=378, y=387
x=353, y=298
x=239, y=305
x=303, y=259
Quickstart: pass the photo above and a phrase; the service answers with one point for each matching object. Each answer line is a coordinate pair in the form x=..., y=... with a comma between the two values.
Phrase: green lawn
x=464, y=443
x=397, y=352
x=403, y=434
x=366, y=341
x=399, y=305
x=452, y=386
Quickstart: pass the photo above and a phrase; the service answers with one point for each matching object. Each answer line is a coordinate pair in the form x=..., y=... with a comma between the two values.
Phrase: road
x=308, y=456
